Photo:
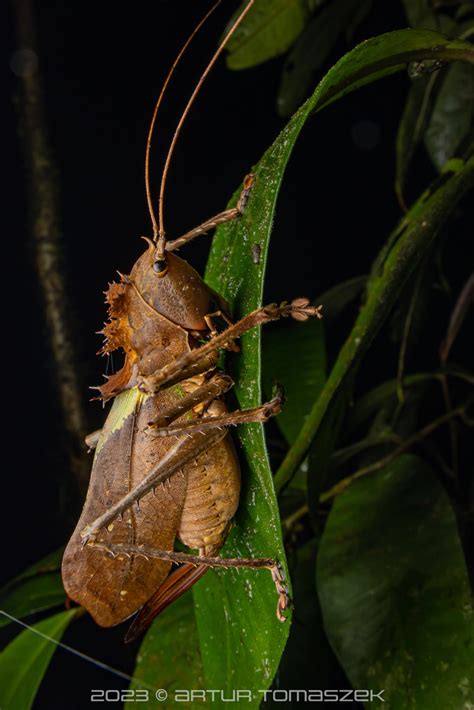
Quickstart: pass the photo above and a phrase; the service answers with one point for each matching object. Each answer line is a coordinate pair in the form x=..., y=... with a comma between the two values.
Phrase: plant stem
x=381, y=463
x=420, y=227
x=47, y=235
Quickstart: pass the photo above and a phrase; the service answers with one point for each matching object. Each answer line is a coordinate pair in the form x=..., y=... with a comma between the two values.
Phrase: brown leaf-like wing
x=178, y=582
x=112, y=589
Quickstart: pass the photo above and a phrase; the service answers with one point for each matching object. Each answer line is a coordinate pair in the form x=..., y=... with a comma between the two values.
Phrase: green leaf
x=237, y=602
x=169, y=657
x=394, y=590
x=452, y=118
x=396, y=261
x=310, y=52
x=25, y=660
x=368, y=405
x=268, y=30
x=294, y=355
x=383, y=55
x=38, y=588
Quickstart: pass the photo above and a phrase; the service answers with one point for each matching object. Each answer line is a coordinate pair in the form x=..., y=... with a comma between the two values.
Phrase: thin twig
x=407, y=248
x=381, y=463
x=289, y=522
x=46, y=236
x=406, y=333
x=458, y=316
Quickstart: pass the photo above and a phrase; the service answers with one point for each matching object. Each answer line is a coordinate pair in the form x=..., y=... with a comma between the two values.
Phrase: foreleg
x=299, y=309
x=221, y=218
x=197, y=368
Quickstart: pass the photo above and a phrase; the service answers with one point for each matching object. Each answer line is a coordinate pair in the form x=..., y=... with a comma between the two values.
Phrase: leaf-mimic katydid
x=164, y=465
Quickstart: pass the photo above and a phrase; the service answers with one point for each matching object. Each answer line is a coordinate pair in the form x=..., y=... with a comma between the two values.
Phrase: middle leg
x=206, y=423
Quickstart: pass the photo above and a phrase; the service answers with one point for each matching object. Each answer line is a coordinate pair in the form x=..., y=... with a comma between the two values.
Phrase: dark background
x=103, y=65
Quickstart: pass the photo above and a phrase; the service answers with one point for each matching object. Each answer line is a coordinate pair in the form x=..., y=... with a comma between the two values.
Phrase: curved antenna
x=161, y=238
x=155, y=112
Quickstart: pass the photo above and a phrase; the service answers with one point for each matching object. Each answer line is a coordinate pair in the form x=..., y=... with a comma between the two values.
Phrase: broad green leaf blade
x=38, y=588
x=383, y=55
x=169, y=658
x=310, y=52
x=294, y=355
x=368, y=405
x=49, y=563
x=33, y=595
x=269, y=30
x=453, y=115
x=397, y=260
x=25, y=660
x=231, y=603
x=394, y=590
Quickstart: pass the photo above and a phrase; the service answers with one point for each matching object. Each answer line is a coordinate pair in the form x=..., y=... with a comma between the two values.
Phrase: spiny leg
x=256, y=414
x=185, y=450
x=216, y=386
x=272, y=565
x=195, y=441
x=209, y=318
x=299, y=309
x=197, y=368
x=221, y=218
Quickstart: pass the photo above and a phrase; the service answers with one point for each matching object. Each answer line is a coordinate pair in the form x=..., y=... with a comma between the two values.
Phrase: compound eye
x=160, y=267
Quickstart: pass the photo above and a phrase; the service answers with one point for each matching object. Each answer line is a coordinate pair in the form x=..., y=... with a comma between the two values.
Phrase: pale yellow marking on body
x=123, y=406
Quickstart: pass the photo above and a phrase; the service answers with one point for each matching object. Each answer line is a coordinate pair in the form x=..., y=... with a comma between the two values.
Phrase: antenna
x=155, y=112
x=161, y=232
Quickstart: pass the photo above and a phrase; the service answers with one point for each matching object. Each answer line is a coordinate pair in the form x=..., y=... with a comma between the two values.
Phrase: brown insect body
x=164, y=465
x=198, y=502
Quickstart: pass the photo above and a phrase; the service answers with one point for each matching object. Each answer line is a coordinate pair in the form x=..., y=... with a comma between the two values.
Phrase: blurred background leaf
x=312, y=49
x=452, y=121
x=394, y=590
x=25, y=660
x=38, y=588
x=268, y=31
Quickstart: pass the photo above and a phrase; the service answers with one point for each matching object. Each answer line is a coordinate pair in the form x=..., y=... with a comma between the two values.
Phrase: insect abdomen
x=212, y=495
